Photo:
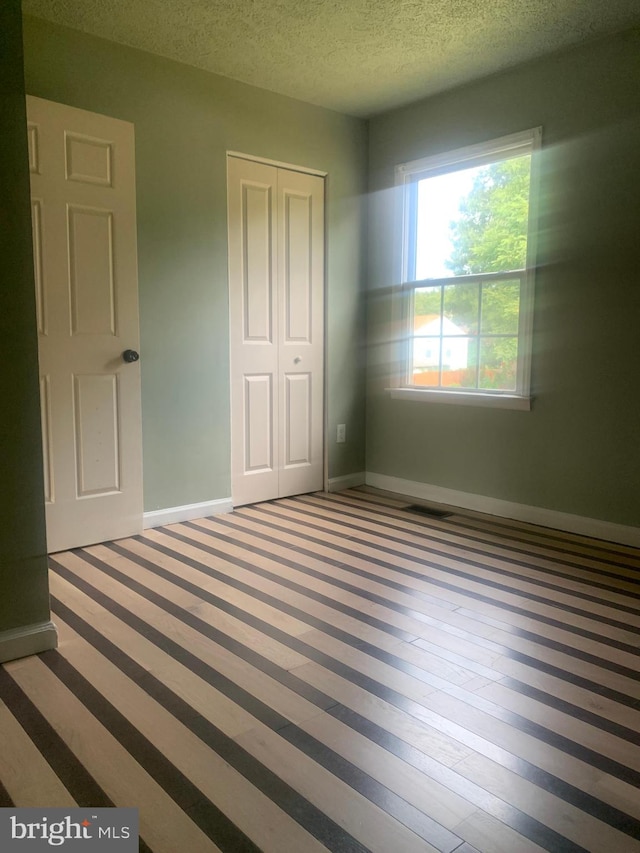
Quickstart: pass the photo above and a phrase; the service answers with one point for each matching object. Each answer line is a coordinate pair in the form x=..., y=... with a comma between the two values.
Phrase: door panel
x=45, y=416
x=91, y=271
x=97, y=434
x=258, y=432
x=301, y=345
x=297, y=270
x=84, y=238
x=41, y=304
x=253, y=330
x=297, y=421
x=276, y=276
x=89, y=160
x=257, y=269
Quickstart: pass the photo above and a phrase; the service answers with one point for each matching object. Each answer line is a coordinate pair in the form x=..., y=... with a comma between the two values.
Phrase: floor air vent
x=428, y=511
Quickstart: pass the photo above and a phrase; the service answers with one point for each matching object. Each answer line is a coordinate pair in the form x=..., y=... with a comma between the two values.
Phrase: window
x=467, y=273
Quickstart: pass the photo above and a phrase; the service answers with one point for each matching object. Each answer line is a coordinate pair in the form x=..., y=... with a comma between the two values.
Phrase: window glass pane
x=426, y=353
x=500, y=307
x=459, y=358
x=427, y=303
x=426, y=378
x=461, y=306
x=498, y=360
x=473, y=220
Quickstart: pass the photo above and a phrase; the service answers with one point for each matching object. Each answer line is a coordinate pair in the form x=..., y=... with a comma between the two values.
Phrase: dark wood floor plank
x=5, y=800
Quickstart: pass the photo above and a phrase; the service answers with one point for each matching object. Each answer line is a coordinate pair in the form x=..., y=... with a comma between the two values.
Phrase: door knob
x=297, y=360
x=130, y=355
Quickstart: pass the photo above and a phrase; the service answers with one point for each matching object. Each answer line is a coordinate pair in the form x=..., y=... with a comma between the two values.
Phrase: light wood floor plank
x=200, y=695
x=562, y=817
x=485, y=835
x=581, y=732
x=526, y=566
x=457, y=592
x=375, y=829
x=166, y=827
x=560, y=540
x=411, y=556
x=464, y=644
x=449, y=743
x=17, y=751
x=283, y=700
x=260, y=819
x=615, y=681
x=509, y=532
x=273, y=588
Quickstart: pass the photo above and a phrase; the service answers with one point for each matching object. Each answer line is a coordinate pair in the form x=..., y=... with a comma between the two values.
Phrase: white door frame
x=293, y=167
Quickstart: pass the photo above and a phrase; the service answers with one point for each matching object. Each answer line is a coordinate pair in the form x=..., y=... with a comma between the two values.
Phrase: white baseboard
x=175, y=514
x=27, y=640
x=348, y=481
x=507, y=509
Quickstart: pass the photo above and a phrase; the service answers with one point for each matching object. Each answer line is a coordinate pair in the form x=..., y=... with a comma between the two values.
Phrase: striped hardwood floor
x=337, y=672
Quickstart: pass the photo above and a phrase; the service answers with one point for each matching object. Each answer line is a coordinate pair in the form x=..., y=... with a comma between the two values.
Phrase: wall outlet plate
x=341, y=433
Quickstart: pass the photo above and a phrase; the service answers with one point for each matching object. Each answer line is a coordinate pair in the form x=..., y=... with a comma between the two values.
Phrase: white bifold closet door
x=276, y=281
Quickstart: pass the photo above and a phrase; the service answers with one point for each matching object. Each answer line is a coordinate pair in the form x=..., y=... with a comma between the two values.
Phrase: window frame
x=407, y=176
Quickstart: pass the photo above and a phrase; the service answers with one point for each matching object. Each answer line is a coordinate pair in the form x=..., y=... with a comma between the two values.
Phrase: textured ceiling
x=355, y=56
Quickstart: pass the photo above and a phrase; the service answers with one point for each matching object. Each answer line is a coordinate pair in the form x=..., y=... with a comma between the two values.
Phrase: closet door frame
x=271, y=363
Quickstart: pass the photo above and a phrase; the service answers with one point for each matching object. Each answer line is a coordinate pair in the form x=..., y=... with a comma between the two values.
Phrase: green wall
x=24, y=595
x=185, y=121
x=578, y=450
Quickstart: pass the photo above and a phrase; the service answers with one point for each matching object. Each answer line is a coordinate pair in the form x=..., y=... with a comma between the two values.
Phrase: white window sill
x=462, y=398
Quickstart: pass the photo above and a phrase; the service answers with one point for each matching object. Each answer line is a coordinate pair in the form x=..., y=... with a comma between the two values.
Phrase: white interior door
x=276, y=279
x=84, y=241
